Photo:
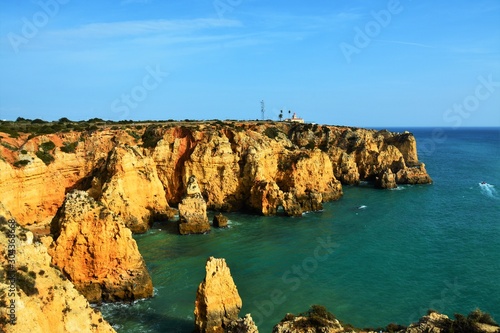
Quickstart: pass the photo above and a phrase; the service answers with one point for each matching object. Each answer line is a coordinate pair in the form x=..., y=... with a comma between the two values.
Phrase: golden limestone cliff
x=36, y=296
x=93, y=247
x=137, y=172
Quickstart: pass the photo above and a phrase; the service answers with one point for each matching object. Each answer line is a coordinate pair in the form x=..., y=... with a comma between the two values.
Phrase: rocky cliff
x=259, y=166
x=35, y=294
x=97, y=252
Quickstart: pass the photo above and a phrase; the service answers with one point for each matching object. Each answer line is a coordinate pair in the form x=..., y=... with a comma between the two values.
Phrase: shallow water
x=373, y=257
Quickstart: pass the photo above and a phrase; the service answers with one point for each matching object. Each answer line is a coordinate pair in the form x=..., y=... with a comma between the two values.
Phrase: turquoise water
x=373, y=257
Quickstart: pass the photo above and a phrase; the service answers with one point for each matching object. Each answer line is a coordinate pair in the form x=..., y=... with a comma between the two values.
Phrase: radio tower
x=263, y=110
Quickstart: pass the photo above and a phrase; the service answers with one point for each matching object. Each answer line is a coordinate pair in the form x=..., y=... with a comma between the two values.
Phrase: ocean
x=372, y=258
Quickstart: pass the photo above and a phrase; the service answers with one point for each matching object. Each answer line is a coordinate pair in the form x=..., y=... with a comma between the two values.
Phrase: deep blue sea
x=373, y=257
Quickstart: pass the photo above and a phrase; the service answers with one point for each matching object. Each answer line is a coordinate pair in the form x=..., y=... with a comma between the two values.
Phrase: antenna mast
x=262, y=110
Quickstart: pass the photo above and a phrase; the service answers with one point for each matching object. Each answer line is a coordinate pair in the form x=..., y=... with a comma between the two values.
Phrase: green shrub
x=21, y=163
x=47, y=146
x=24, y=152
x=8, y=146
x=134, y=135
x=271, y=132
x=45, y=157
x=26, y=284
x=69, y=147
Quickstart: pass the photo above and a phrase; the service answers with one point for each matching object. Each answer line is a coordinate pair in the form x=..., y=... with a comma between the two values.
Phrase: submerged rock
x=193, y=211
x=96, y=251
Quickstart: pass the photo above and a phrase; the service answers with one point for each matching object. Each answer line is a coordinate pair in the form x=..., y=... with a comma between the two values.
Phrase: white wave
x=489, y=190
x=362, y=207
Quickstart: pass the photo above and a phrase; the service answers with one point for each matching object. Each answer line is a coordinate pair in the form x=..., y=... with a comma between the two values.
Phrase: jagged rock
x=217, y=302
x=96, y=251
x=243, y=325
x=413, y=175
x=291, y=206
x=427, y=324
x=45, y=300
x=266, y=197
x=386, y=180
x=220, y=221
x=132, y=189
x=193, y=211
x=308, y=324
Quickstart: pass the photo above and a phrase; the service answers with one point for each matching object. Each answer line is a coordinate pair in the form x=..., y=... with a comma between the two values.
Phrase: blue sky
x=358, y=63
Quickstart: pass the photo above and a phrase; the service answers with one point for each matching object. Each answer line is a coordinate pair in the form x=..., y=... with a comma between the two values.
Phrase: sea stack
x=193, y=210
x=95, y=249
x=218, y=303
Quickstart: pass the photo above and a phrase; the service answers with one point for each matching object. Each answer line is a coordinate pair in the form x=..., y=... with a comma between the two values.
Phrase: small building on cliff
x=295, y=119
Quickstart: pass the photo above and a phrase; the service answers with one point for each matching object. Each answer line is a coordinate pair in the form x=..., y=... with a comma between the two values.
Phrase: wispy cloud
x=126, y=2
x=404, y=43
x=138, y=28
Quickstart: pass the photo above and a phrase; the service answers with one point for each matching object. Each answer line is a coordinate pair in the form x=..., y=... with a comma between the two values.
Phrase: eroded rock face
x=193, y=217
x=132, y=189
x=97, y=252
x=243, y=325
x=45, y=300
x=217, y=302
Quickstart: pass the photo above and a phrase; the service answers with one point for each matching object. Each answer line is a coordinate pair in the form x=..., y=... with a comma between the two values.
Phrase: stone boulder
x=95, y=249
x=386, y=180
x=220, y=221
x=193, y=211
x=243, y=325
x=217, y=302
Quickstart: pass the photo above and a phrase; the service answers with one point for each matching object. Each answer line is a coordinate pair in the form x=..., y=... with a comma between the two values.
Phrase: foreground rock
x=45, y=301
x=218, y=303
x=317, y=319
x=97, y=252
x=193, y=211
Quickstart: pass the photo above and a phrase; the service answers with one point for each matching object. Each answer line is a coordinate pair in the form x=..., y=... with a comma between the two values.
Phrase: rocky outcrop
x=386, y=180
x=431, y=323
x=256, y=166
x=96, y=251
x=220, y=221
x=45, y=301
x=193, y=211
x=130, y=186
x=317, y=319
x=217, y=302
x=243, y=325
